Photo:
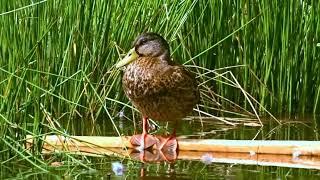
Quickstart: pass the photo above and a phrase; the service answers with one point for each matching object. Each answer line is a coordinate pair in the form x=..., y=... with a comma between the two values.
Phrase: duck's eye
x=129, y=54
x=143, y=41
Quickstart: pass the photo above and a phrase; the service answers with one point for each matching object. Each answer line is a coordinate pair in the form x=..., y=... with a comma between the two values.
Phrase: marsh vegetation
x=57, y=73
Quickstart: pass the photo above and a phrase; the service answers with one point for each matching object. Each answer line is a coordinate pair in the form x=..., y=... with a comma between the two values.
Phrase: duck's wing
x=176, y=81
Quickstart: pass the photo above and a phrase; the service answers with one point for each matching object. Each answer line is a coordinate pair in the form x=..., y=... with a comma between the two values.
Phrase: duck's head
x=147, y=45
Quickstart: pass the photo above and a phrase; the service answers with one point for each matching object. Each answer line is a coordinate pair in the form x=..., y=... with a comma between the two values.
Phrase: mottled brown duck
x=158, y=87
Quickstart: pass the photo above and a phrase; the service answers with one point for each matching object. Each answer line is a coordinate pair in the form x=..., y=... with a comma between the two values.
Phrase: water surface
x=100, y=167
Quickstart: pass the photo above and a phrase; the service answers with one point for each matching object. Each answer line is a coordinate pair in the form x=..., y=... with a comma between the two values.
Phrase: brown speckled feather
x=160, y=89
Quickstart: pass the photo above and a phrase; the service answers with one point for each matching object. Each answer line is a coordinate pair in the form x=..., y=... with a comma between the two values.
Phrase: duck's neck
x=165, y=56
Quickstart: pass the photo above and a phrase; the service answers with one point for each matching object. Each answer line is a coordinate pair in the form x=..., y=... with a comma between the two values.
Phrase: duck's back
x=159, y=90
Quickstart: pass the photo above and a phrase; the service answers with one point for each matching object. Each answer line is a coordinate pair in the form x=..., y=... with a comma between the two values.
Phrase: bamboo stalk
x=306, y=162
x=311, y=148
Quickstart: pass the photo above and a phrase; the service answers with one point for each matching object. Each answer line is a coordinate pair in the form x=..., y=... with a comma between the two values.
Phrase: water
x=101, y=167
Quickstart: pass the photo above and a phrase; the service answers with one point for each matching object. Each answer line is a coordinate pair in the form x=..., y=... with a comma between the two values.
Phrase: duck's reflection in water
x=154, y=155
x=170, y=173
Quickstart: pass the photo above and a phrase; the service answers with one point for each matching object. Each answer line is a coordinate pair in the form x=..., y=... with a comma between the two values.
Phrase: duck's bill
x=131, y=56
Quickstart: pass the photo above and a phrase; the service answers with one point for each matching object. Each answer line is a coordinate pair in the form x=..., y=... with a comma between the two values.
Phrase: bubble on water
x=252, y=153
x=296, y=154
x=121, y=114
x=117, y=168
x=207, y=159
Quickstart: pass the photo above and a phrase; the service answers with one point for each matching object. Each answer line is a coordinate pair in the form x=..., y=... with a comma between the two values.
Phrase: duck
x=158, y=87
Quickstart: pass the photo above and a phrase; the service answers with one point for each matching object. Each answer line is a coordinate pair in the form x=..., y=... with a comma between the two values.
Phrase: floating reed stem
x=310, y=148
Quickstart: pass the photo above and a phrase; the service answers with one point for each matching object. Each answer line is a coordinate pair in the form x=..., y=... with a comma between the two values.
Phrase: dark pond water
x=101, y=167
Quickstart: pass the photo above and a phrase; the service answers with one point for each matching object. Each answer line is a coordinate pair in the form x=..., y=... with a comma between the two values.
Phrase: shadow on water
x=104, y=167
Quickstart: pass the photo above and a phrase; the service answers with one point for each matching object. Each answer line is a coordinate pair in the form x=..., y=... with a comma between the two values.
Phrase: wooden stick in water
x=311, y=148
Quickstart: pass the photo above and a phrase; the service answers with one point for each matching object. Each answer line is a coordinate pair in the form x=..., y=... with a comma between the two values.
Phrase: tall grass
x=57, y=57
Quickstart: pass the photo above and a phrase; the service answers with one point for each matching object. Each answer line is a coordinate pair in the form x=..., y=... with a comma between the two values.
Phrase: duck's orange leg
x=143, y=140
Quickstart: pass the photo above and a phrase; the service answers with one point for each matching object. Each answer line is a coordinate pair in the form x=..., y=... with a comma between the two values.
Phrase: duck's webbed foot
x=143, y=141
